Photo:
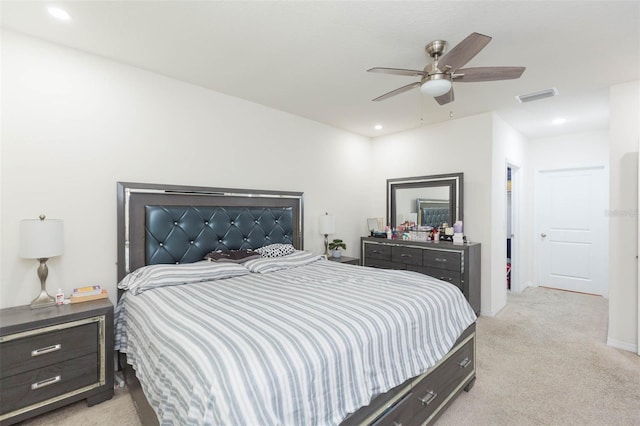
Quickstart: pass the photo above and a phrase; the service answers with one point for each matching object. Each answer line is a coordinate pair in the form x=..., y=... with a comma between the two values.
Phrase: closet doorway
x=513, y=223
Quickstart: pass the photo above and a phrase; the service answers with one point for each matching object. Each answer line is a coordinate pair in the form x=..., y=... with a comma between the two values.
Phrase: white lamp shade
x=41, y=238
x=327, y=224
x=436, y=88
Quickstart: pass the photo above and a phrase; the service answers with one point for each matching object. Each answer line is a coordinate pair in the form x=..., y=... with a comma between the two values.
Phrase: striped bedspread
x=300, y=346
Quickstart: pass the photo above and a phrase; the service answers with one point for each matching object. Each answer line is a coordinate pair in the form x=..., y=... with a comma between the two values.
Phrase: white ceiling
x=309, y=58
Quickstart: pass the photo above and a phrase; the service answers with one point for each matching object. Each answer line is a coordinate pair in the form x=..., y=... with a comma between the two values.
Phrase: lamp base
x=43, y=301
x=326, y=245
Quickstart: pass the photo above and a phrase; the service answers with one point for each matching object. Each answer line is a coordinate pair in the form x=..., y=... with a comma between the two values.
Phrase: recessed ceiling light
x=378, y=127
x=58, y=13
x=559, y=120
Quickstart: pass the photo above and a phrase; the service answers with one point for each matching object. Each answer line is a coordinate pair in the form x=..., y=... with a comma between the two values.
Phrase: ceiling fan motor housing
x=431, y=72
x=436, y=48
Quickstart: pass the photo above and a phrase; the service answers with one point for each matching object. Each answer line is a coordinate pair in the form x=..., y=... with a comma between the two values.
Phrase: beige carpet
x=541, y=361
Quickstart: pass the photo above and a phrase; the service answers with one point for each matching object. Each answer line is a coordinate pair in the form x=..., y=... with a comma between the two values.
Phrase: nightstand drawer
x=441, y=259
x=39, y=350
x=22, y=390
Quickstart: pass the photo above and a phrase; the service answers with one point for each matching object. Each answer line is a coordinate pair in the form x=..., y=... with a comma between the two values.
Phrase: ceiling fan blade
x=397, y=91
x=463, y=52
x=397, y=71
x=470, y=75
x=446, y=98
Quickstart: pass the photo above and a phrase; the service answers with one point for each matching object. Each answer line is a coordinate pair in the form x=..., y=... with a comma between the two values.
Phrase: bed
x=283, y=340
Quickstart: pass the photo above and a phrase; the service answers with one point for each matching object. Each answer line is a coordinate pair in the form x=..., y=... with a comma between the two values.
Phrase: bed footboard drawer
x=430, y=395
x=399, y=414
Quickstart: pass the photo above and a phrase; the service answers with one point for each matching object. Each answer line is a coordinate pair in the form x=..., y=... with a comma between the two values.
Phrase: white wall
x=624, y=136
x=509, y=146
x=74, y=124
x=462, y=145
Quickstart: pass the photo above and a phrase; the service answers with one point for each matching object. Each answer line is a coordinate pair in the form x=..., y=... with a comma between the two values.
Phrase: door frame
x=604, y=288
x=516, y=285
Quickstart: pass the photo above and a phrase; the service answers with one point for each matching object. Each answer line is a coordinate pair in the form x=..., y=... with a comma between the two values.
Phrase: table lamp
x=41, y=239
x=327, y=226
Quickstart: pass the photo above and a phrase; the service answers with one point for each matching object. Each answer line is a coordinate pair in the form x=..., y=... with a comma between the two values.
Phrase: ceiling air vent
x=534, y=96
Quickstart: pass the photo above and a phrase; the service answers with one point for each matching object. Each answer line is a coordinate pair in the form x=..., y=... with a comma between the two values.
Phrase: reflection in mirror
x=426, y=201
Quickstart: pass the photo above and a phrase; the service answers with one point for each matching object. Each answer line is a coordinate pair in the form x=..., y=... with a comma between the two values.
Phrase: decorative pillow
x=153, y=276
x=271, y=264
x=235, y=256
x=276, y=250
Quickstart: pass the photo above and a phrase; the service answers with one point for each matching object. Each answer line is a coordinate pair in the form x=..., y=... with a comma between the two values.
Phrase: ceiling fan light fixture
x=436, y=87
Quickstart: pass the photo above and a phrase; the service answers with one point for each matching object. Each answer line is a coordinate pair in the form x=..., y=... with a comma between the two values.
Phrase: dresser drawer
x=377, y=251
x=22, y=390
x=408, y=255
x=453, y=277
x=450, y=260
x=39, y=350
x=430, y=394
x=383, y=264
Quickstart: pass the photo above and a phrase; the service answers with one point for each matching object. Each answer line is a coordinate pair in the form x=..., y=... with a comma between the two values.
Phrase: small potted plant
x=335, y=247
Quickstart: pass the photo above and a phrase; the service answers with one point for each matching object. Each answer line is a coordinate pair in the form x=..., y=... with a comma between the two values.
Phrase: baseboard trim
x=626, y=346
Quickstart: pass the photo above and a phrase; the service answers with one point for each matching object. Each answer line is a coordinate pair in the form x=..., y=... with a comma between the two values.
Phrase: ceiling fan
x=436, y=78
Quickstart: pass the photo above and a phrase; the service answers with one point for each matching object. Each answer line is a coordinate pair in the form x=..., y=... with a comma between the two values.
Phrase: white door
x=572, y=229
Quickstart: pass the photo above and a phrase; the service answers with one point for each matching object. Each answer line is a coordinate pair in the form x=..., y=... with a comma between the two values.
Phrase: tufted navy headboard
x=180, y=224
x=184, y=234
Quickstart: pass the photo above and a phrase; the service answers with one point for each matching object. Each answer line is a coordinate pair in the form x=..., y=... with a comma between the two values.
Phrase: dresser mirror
x=425, y=200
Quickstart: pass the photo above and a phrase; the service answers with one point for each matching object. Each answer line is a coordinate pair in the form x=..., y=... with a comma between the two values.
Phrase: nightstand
x=50, y=357
x=345, y=259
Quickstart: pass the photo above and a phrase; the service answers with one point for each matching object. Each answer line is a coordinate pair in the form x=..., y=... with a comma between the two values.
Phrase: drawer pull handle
x=46, y=382
x=377, y=251
x=405, y=255
x=465, y=363
x=446, y=278
x=48, y=349
x=440, y=259
x=428, y=398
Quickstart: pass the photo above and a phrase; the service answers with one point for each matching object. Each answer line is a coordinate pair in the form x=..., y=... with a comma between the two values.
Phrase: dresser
x=50, y=357
x=458, y=264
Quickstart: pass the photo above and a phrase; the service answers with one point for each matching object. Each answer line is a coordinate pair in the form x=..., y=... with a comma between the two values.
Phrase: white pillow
x=153, y=276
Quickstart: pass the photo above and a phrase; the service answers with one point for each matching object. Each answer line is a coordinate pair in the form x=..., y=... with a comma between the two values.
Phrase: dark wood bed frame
x=419, y=400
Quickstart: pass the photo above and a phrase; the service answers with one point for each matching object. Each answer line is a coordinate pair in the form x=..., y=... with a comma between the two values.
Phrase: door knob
x=543, y=235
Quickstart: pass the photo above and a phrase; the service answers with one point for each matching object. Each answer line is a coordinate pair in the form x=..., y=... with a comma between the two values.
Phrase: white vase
x=336, y=254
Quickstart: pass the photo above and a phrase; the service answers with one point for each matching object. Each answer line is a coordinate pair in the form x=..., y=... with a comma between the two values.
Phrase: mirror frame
x=453, y=180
